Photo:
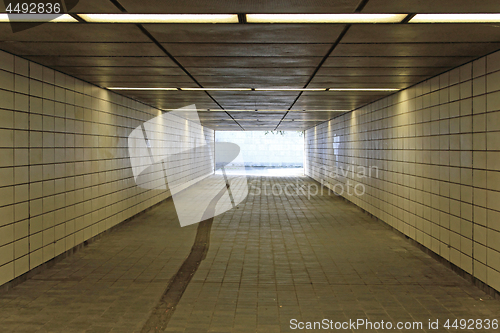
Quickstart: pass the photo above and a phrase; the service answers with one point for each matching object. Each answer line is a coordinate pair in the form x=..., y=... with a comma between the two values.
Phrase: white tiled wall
x=436, y=146
x=65, y=173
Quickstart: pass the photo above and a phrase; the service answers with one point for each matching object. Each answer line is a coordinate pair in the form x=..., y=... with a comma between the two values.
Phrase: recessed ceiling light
x=147, y=88
x=217, y=89
x=363, y=89
x=160, y=18
x=54, y=18
x=325, y=18
x=456, y=18
x=290, y=89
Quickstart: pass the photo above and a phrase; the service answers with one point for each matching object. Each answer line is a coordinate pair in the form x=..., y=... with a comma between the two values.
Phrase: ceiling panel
x=240, y=6
x=170, y=95
x=254, y=101
x=245, y=33
x=294, y=127
x=431, y=6
x=323, y=81
x=304, y=120
x=378, y=71
x=254, y=118
x=416, y=49
x=361, y=84
x=142, y=71
x=232, y=71
x=297, y=125
x=245, y=61
x=177, y=79
x=244, y=94
x=260, y=125
x=71, y=32
x=95, y=6
x=320, y=116
x=245, y=49
x=222, y=125
x=249, y=105
x=336, y=101
x=342, y=94
x=254, y=81
x=422, y=33
x=176, y=104
x=115, y=61
x=207, y=115
x=82, y=49
x=443, y=62
x=253, y=114
x=224, y=121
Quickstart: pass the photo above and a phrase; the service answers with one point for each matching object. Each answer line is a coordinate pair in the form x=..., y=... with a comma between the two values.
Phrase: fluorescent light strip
x=456, y=18
x=160, y=18
x=254, y=18
x=363, y=89
x=216, y=89
x=325, y=18
x=26, y=18
x=150, y=89
x=290, y=89
x=250, y=89
x=253, y=110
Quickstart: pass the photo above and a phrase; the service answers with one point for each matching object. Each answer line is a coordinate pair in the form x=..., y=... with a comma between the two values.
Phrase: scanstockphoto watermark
x=300, y=188
x=358, y=324
x=484, y=324
x=344, y=185
x=354, y=171
x=161, y=146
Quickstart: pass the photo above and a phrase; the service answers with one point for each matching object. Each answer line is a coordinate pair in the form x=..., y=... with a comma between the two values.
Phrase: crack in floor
x=160, y=316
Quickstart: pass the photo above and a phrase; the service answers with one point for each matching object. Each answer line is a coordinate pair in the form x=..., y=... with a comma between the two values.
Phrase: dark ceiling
x=258, y=56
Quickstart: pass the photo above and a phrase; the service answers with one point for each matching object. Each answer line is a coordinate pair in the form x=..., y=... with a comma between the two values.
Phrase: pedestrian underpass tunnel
x=221, y=166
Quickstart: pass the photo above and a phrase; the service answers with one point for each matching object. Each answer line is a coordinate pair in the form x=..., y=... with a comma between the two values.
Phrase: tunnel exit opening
x=265, y=153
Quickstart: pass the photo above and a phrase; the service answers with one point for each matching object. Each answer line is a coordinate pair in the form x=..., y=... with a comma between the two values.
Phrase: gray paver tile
x=273, y=259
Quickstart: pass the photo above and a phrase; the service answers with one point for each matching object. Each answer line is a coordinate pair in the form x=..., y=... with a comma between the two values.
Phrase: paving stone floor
x=274, y=258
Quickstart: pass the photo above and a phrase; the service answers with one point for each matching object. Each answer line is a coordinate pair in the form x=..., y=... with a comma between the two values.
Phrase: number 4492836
x=471, y=324
x=33, y=8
